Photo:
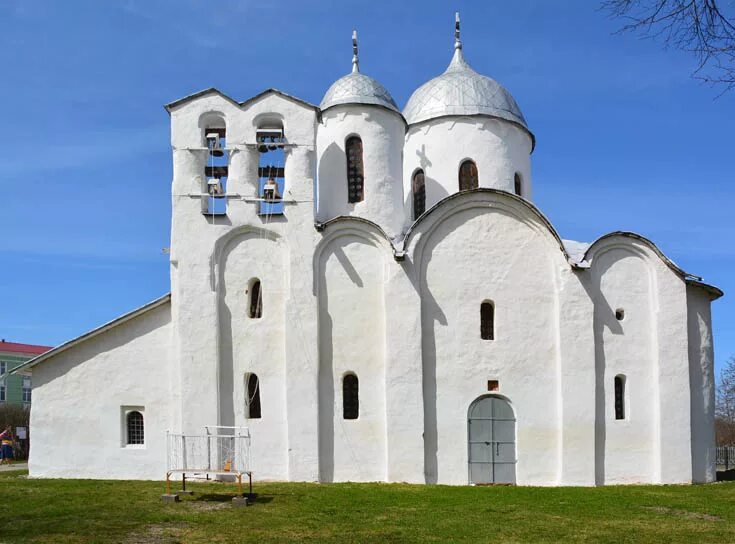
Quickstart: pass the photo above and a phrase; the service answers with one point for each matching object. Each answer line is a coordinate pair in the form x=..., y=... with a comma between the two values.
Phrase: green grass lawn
x=131, y=512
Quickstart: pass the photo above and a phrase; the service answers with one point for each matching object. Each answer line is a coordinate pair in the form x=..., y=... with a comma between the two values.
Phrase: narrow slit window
x=252, y=400
x=468, y=176
x=419, y=194
x=135, y=428
x=619, y=397
x=517, y=184
x=355, y=170
x=487, y=321
x=350, y=397
x=255, y=307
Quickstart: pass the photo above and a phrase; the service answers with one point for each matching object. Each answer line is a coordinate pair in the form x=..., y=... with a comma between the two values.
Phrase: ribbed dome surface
x=461, y=91
x=357, y=88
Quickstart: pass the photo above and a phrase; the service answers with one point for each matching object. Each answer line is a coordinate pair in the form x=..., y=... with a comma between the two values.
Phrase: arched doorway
x=491, y=432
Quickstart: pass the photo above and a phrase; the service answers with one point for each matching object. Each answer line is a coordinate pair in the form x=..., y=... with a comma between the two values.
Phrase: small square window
x=493, y=385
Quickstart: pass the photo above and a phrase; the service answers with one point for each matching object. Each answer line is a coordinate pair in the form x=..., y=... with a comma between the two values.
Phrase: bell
x=272, y=147
x=214, y=187
x=262, y=148
x=270, y=190
x=213, y=143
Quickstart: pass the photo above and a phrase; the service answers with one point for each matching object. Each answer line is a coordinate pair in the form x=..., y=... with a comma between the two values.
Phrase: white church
x=373, y=294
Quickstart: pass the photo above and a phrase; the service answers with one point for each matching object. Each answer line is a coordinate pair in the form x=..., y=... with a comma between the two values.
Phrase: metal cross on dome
x=355, y=60
x=457, y=41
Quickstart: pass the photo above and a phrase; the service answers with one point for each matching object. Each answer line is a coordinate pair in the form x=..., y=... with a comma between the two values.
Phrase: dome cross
x=355, y=59
x=457, y=41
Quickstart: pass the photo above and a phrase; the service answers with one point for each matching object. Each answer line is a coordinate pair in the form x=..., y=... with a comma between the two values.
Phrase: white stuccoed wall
x=382, y=132
x=338, y=301
x=626, y=348
x=352, y=340
x=255, y=345
x=650, y=347
x=76, y=421
x=237, y=248
x=439, y=146
x=490, y=248
x=702, y=385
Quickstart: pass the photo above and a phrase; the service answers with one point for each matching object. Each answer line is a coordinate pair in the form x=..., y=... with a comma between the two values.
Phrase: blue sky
x=626, y=139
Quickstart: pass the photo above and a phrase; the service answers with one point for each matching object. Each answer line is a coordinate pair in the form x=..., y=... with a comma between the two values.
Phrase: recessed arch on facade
x=485, y=198
x=223, y=244
x=251, y=363
x=631, y=239
x=349, y=274
x=345, y=225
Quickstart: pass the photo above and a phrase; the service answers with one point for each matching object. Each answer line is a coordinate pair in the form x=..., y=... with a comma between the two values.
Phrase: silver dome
x=461, y=91
x=357, y=88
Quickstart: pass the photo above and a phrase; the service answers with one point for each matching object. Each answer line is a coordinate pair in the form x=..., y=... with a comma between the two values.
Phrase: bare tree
x=696, y=26
x=725, y=405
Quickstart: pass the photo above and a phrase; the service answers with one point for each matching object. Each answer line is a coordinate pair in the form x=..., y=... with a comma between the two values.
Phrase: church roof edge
x=94, y=332
x=213, y=90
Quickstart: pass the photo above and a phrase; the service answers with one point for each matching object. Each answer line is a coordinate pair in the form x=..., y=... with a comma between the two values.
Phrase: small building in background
x=16, y=388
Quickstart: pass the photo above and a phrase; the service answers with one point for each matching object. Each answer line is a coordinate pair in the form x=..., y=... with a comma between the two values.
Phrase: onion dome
x=461, y=91
x=357, y=88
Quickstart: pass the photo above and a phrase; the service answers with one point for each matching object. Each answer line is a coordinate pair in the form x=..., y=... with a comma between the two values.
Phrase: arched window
x=252, y=397
x=468, y=176
x=135, y=428
x=355, y=171
x=255, y=305
x=487, y=321
x=419, y=194
x=620, y=397
x=518, y=186
x=350, y=397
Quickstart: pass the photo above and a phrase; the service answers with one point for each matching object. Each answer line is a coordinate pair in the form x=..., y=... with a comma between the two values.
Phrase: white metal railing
x=218, y=450
x=725, y=457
